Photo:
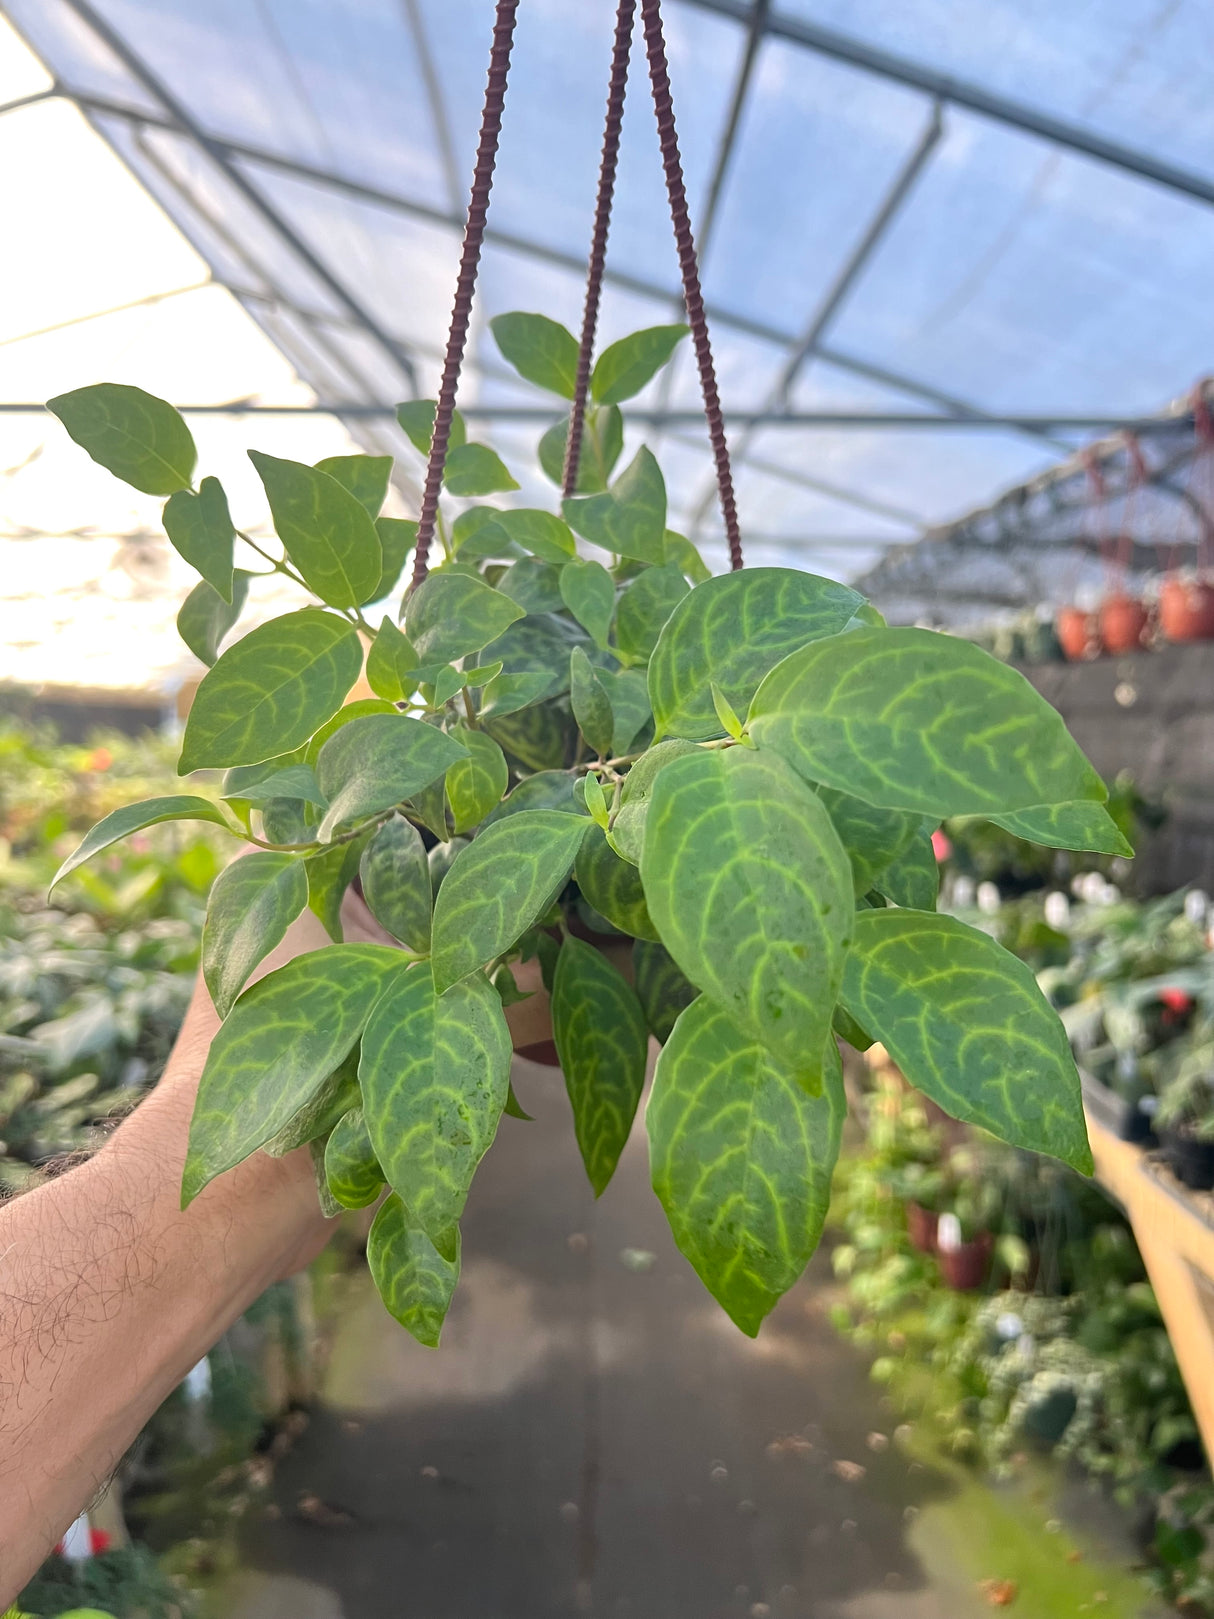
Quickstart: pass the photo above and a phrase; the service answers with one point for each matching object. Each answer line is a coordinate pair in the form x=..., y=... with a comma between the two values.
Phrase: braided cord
x=465, y=286
x=598, y=242
x=659, y=78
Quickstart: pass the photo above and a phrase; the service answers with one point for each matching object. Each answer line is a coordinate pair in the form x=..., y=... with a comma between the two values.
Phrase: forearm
x=109, y=1293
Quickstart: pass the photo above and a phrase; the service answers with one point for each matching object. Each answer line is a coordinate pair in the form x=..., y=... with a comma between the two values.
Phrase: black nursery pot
x=1191, y=1161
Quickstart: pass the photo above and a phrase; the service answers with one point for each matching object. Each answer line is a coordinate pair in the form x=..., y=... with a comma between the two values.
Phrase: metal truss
x=237, y=162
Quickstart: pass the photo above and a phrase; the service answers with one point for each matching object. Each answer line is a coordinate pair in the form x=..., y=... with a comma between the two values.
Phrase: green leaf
x=741, y=1159
x=284, y=821
x=283, y=1038
x=134, y=435
x=335, y=1095
x=733, y=629
x=430, y=808
x=661, y=988
x=541, y=350
x=205, y=618
x=452, y=615
x=483, y=674
x=601, y=1039
x=120, y=823
x=912, y=878
x=515, y=1108
x=624, y=368
x=200, y=528
x=475, y=469
x=686, y=558
x=416, y=416
x=549, y=789
x=591, y=703
x=344, y=716
x=499, y=886
x=867, y=614
x=629, y=704
x=588, y=591
x=397, y=537
x=613, y=886
x=644, y=608
x=269, y=692
x=475, y=784
x=507, y=694
x=630, y=518
x=447, y=683
x=363, y=476
x=968, y=1026
x=252, y=904
x=412, y=1278
x=542, y=737
x=292, y=781
x=395, y=879
x=1083, y=825
x=351, y=1168
x=915, y=720
x=602, y=443
x=440, y=860
x=378, y=761
x=628, y=828
x=593, y=797
x=327, y=532
x=478, y=534
x=751, y=892
x=872, y=837
x=534, y=585
x=434, y=1074
x=541, y=533
x=329, y=874
x=390, y=663
x=732, y=724
x=846, y=1027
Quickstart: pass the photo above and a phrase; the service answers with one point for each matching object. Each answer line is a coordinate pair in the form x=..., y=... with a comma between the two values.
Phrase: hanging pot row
x=1124, y=623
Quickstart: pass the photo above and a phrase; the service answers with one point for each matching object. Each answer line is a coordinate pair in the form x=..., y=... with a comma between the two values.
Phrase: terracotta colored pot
x=1076, y=634
x=1123, y=623
x=964, y=1270
x=1186, y=609
x=921, y=1227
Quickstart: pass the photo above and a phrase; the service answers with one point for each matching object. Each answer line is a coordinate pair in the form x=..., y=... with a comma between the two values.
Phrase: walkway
x=595, y=1438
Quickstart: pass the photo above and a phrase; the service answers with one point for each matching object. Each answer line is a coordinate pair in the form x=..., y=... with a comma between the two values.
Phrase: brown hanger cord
x=474, y=231
x=598, y=242
x=655, y=45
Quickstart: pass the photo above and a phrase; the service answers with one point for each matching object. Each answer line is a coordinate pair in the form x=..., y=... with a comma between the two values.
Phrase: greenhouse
x=606, y=761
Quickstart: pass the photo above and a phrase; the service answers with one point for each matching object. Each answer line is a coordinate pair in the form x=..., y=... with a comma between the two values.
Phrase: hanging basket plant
x=575, y=723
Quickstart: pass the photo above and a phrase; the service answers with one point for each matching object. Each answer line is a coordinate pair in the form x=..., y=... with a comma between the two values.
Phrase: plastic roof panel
x=317, y=154
x=1121, y=68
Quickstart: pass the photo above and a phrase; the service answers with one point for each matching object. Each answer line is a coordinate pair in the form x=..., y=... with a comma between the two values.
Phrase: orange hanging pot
x=1123, y=622
x=1186, y=609
x=1077, y=635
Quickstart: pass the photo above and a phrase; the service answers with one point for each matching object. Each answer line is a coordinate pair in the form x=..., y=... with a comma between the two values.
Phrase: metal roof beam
x=734, y=320
x=188, y=125
x=961, y=93
x=822, y=419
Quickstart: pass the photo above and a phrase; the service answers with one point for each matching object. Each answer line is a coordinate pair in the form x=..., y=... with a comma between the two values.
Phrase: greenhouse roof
x=942, y=243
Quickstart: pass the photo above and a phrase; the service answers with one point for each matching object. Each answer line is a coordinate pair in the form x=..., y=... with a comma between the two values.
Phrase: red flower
x=941, y=847
x=1176, y=1000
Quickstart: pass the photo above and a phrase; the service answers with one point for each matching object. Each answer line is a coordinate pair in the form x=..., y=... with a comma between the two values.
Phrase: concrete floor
x=594, y=1437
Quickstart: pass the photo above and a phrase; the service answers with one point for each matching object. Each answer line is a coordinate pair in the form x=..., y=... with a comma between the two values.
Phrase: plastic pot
x=921, y=1227
x=964, y=1269
x=1186, y=609
x=1123, y=623
x=1076, y=634
x=1190, y=1160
